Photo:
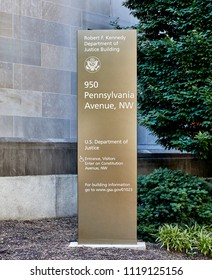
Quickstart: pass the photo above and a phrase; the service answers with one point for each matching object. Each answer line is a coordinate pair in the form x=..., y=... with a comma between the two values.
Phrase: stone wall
x=38, y=77
x=36, y=197
x=148, y=162
x=38, y=65
x=38, y=101
x=37, y=158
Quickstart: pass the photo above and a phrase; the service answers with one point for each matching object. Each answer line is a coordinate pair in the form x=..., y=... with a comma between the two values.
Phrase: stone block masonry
x=38, y=197
x=41, y=158
x=38, y=101
x=38, y=64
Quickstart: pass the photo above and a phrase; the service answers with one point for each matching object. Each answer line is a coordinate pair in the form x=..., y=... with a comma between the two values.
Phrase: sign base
x=138, y=246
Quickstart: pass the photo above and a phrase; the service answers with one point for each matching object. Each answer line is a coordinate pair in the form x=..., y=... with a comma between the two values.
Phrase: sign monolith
x=107, y=137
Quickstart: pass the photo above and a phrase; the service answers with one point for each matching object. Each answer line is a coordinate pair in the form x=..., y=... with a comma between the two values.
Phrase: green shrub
x=170, y=196
x=204, y=240
x=174, y=238
x=186, y=239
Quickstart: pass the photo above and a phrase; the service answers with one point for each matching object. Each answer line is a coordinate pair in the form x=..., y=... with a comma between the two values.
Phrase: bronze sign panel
x=107, y=137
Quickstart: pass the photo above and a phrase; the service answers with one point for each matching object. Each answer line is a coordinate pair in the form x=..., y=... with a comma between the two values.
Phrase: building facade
x=38, y=101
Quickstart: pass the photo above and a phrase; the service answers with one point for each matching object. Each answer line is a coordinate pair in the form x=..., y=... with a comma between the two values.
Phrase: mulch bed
x=49, y=239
